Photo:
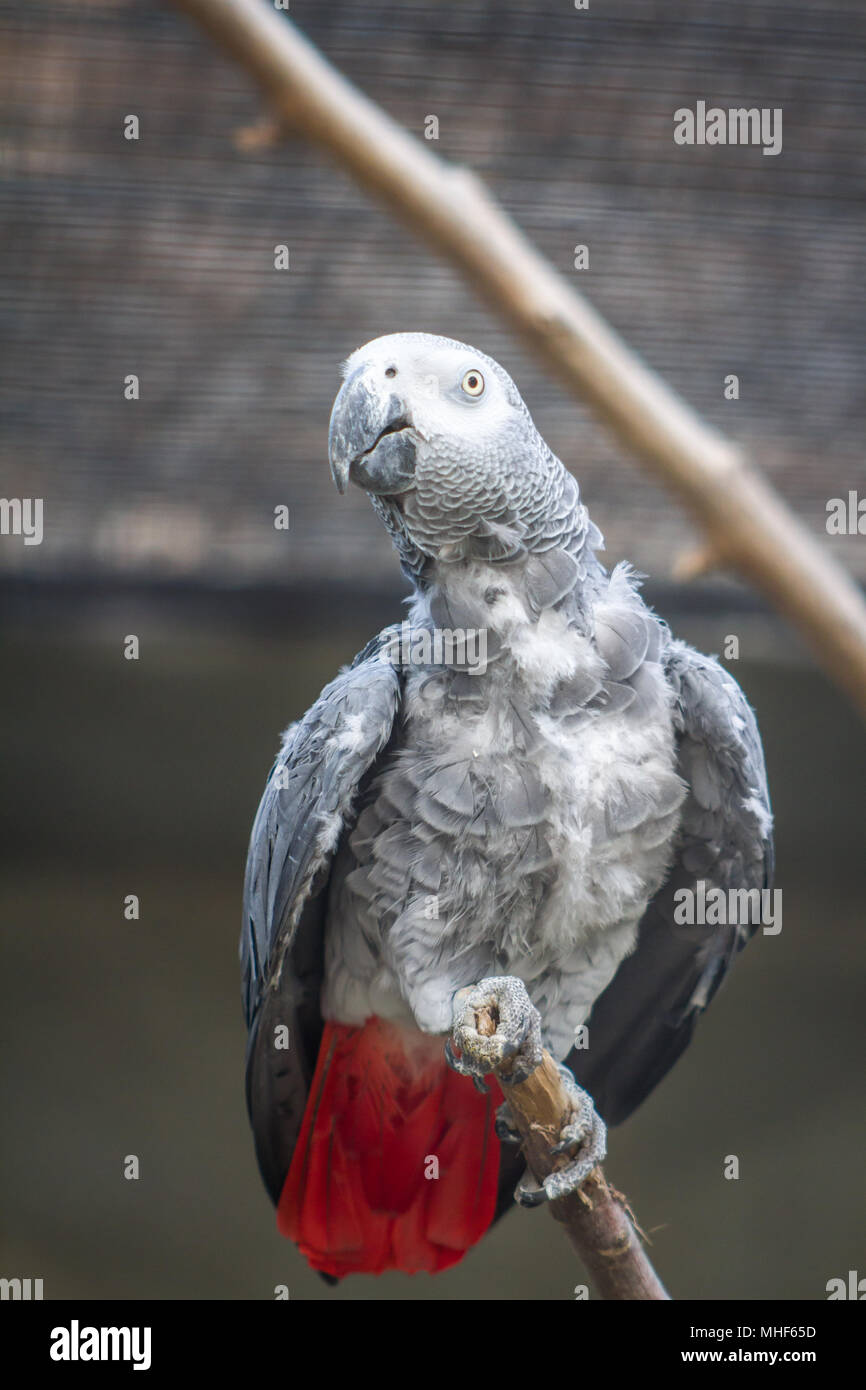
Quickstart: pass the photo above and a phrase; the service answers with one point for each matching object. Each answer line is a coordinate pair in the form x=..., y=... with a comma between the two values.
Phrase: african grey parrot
x=456, y=812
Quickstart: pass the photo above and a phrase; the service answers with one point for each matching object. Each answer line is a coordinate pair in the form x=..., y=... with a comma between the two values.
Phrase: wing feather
x=309, y=801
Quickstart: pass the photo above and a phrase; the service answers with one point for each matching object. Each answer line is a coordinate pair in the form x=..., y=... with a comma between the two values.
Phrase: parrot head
x=438, y=436
x=411, y=401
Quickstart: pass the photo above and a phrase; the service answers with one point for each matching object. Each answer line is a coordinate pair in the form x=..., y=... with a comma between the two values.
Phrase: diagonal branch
x=748, y=526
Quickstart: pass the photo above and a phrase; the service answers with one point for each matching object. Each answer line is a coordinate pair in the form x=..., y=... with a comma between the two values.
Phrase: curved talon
x=454, y=1061
x=506, y=1131
x=528, y=1194
x=524, y=1066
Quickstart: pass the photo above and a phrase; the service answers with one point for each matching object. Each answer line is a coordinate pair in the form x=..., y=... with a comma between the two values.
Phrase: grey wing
x=644, y=1019
x=309, y=800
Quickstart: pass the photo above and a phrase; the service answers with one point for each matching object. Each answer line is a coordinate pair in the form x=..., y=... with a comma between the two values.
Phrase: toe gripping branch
x=497, y=1029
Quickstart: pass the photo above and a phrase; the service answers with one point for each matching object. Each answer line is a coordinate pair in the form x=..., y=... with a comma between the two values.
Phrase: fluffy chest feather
x=503, y=836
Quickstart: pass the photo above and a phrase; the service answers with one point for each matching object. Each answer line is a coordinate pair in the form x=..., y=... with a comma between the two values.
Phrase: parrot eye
x=390, y=371
x=473, y=383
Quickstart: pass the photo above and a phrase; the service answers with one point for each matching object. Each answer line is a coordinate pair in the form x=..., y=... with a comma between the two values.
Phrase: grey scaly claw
x=581, y=1123
x=585, y=1129
x=518, y=1033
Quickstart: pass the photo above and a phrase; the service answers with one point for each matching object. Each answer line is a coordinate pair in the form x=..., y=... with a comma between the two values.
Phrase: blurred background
x=155, y=257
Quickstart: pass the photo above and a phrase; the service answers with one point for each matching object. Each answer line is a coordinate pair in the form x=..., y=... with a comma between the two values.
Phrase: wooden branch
x=748, y=526
x=596, y=1219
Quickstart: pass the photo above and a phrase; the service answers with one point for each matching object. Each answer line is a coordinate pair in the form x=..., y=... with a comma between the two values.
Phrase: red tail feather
x=360, y=1196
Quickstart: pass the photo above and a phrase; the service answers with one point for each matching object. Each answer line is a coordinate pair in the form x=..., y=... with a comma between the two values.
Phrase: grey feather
x=573, y=695
x=622, y=637
x=548, y=577
x=613, y=698
x=628, y=808
x=450, y=785
x=520, y=799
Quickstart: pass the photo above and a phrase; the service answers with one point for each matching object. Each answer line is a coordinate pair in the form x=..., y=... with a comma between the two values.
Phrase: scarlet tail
x=397, y=1162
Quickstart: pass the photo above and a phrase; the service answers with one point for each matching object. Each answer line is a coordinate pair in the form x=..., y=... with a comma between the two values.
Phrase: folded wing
x=310, y=797
x=644, y=1019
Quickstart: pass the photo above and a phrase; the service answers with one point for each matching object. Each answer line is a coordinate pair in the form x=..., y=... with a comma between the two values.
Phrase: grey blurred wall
x=156, y=257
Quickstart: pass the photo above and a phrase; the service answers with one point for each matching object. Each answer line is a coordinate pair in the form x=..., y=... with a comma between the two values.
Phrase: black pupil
x=473, y=382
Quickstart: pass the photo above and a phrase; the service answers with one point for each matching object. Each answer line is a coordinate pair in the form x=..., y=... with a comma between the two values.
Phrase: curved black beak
x=370, y=438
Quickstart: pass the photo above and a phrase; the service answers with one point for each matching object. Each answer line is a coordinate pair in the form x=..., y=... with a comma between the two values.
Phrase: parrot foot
x=585, y=1131
x=515, y=1036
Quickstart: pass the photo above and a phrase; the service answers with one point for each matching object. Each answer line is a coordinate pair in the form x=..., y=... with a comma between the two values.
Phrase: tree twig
x=749, y=527
x=596, y=1218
